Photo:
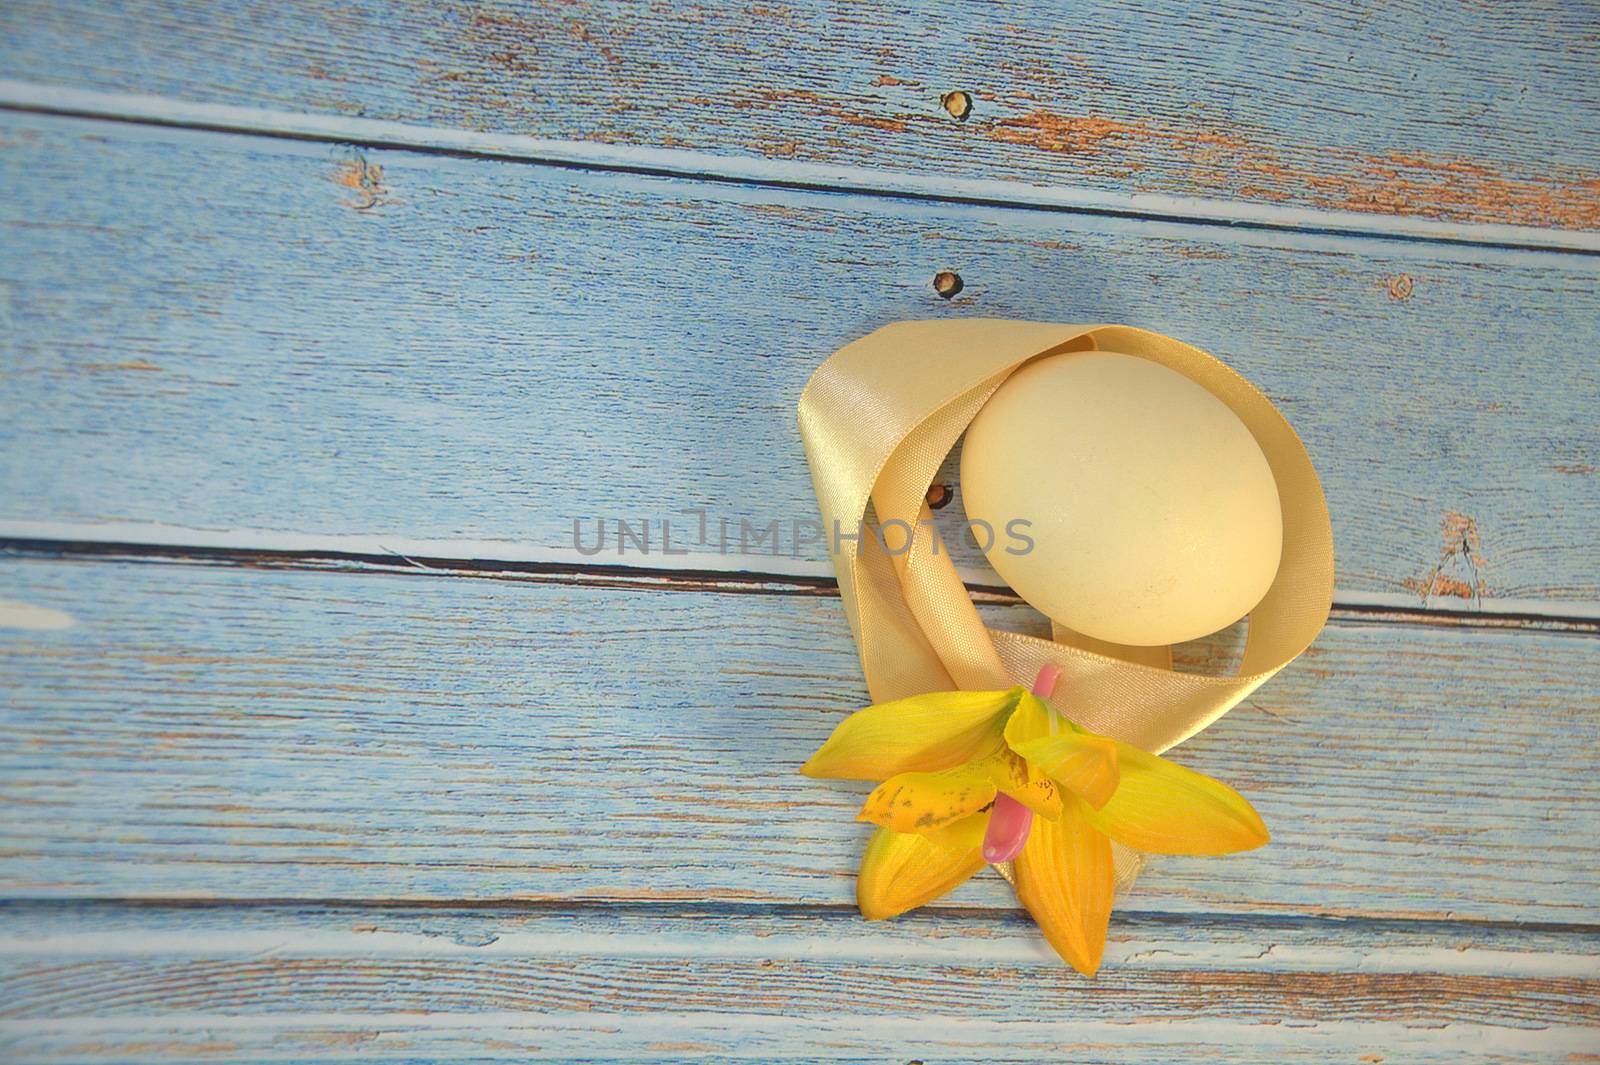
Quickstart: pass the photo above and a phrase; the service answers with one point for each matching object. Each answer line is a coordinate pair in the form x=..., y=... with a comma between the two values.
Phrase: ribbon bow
x=877, y=420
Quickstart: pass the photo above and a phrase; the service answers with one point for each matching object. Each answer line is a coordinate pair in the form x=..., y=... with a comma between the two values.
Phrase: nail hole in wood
x=939, y=496
x=948, y=283
x=958, y=103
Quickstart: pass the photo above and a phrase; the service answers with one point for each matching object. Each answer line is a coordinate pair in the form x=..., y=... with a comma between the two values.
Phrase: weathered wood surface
x=239, y=333
x=239, y=733
x=560, y=807
x=1449, y=110
x=153, y=983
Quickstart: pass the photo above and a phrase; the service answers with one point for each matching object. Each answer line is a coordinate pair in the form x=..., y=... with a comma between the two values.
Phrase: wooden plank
x=395, y=345
x=1445, y=110
x=235, y=733
x=98, y=983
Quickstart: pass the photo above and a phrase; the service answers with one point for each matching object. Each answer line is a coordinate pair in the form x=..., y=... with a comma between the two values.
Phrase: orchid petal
x=1033, y=719
x=1024, y=782
x=1081, y=762
x=963, y=835
x=1064, y=878
x=901, y=871
x=920, y=734
x=1164, y=808
x=922, y=802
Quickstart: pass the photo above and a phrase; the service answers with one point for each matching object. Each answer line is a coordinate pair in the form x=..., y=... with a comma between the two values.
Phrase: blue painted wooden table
x=324, y=323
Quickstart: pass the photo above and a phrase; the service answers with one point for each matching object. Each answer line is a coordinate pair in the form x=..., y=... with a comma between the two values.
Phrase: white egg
x=1153, y=515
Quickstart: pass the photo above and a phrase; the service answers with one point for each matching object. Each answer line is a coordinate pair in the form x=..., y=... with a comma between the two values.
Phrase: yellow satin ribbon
x=878, y=419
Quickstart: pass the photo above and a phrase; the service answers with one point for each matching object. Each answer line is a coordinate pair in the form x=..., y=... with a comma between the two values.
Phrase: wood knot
x=365, y=180
x=958, y=103
x=1400, y=286
x=939, y=496
x=948, y=284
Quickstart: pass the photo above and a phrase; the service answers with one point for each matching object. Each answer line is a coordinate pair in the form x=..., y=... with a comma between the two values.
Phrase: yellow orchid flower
x=974, y=778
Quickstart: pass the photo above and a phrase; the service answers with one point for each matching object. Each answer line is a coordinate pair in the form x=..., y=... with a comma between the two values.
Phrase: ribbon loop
x=879, y=417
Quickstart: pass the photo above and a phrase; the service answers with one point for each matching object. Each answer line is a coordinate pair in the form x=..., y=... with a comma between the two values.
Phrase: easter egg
x=1121, y=499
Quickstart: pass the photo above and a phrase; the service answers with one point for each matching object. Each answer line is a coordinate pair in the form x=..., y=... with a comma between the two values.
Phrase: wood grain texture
x=322, y=340
x=560, y=807
x=97, y=983
x=229, y=733
x=1448, y=110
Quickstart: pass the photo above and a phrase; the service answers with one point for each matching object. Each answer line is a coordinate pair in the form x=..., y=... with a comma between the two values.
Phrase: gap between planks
x=22, y=96
x=536, y=565
x=38, y=913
